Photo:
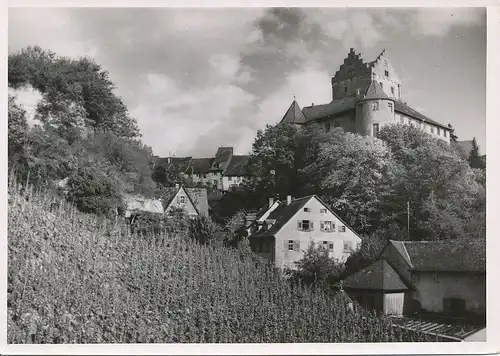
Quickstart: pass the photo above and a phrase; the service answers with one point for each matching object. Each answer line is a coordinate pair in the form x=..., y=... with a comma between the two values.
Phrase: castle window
x=390, y=106
x=375, y=130
x=387, y=73
x=392, y=90
x=351, y=73
x=444, y=133
x=432, y=129
x=375, y=106
x=439, y=131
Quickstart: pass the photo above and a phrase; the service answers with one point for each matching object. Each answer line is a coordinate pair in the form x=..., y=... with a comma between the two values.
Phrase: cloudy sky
x=196, y=79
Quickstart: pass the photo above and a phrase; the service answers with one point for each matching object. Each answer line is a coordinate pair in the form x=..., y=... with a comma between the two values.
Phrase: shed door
x=393, y=303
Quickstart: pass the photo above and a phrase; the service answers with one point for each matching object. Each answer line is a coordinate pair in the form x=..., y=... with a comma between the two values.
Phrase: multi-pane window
x=390, y=106
x=327, y=226
x=305, y=225
x=290, y=245
x=330, y=247
x=342, y=228
x=375, y=130
x=375, y=106
x=347, y=246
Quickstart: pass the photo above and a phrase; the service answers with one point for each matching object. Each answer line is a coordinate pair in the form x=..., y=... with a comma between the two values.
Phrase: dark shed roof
x=377, y=276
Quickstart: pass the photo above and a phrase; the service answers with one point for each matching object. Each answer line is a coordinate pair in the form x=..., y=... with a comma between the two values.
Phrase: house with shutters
x=192, y=200
x=447, y=277
x=285, y=230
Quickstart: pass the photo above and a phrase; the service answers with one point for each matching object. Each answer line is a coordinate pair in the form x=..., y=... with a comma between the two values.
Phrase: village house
x=449, y=277
x=223, y=172
x=365, y=98
x=285, y=230
x=192, y=200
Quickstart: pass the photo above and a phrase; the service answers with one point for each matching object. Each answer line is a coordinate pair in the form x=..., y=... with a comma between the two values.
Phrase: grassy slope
x=73, y=279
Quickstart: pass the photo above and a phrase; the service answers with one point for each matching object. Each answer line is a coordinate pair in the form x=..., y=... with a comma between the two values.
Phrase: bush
x=92, y=192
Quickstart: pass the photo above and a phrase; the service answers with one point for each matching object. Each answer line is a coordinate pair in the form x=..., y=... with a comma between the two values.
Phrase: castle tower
x=294, y=114
x=374, y=109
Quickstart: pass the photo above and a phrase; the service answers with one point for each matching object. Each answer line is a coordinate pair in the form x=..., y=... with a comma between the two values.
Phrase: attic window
x=307, y=210
x=322, y=211
x=342, y=228
x=181, y=199
x=387, y=73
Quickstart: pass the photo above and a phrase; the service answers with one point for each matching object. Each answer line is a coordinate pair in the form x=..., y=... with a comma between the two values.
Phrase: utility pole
x=408, y=214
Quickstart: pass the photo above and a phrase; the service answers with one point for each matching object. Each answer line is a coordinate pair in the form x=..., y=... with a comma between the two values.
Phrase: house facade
x=448, y=277
x=286, y=229
x=192, y=200
x=223, y=172
x=365, y=98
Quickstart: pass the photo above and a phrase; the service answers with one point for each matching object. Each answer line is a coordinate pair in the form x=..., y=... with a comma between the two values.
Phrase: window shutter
x=285, y=245
x=296, y=245
x=311, y=225
x=322, y=225
x=299, y=225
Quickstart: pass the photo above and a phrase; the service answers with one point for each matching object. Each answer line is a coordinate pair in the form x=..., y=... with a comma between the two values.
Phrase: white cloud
x=438, y=21
x=28, y=98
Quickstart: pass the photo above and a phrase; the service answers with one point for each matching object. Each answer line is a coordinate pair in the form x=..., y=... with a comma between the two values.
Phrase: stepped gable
x=353, y=62
x=294, y=114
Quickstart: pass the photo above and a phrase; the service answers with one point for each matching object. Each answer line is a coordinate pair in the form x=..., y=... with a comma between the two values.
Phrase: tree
x=367, y=253
x=349, y=172
x=316, y=267
x=205, y=231
x=17, y=134
x=93, y=192
x=475, y=160
x=438, y=184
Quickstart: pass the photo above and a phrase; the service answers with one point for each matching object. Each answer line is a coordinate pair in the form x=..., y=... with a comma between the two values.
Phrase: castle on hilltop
x=365, y=97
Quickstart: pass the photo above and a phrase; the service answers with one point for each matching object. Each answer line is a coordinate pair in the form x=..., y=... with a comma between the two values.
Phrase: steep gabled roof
x=377, y=276
x=174, y=164
x=294, y=115
x=468, y=255
x=401, y=107
x=199, y=199
x=238, y=166
x=335, y=107
x=282, y=214
x=222, y=158
x=200, y=165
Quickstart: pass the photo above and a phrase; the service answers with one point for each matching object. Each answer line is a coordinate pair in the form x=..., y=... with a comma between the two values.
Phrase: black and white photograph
x=246, y=175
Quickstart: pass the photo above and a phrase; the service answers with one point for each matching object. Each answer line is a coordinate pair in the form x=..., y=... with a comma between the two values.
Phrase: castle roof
x=335, y=107
x=294, y=114
x=374, y=91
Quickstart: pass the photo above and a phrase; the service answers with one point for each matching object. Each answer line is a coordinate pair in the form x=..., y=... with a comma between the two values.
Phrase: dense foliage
x=370, y=182
x=75, y=279
x=84, y=130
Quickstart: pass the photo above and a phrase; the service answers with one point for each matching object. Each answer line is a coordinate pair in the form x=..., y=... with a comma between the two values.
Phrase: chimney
x=271, y=202
x=288, y=199
x=312, y=104
x=168, y=160
x=176, y=185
